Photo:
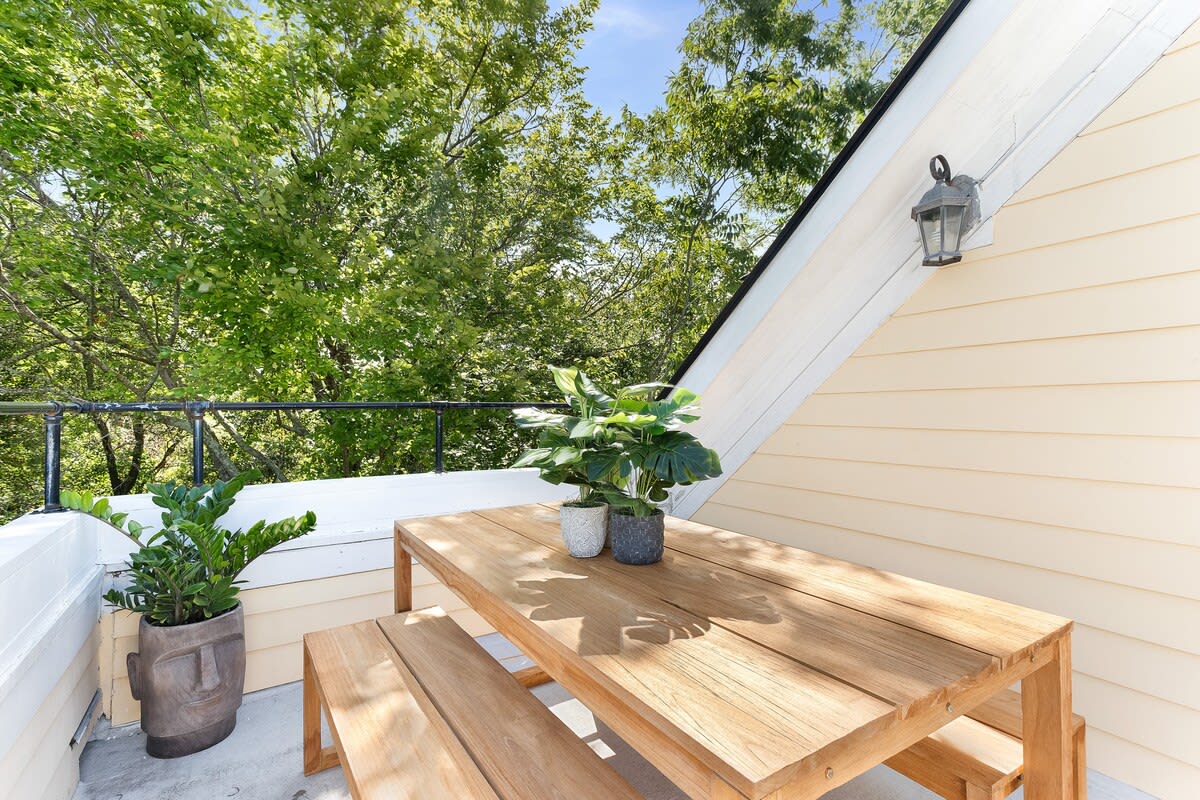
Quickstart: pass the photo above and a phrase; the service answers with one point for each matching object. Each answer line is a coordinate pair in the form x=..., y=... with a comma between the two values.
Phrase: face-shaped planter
x=189, y=679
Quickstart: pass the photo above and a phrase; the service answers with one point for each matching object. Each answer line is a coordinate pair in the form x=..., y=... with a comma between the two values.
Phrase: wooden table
x=742, y=668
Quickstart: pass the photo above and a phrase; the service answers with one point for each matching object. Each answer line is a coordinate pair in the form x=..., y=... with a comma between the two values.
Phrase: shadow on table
x=651, y=605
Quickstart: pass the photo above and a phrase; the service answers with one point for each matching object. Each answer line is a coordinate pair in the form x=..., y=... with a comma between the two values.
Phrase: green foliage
x=574, y=448
x=187, y=570
x=655, y=450
x=628, y=447
x=381, y=199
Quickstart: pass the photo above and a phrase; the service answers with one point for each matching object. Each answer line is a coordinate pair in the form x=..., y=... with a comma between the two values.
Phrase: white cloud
x=628, y=20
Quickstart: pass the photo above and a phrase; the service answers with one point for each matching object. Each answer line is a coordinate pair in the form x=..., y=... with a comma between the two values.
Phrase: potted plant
x=190, y=667
x=573, y=450
x=657, y=455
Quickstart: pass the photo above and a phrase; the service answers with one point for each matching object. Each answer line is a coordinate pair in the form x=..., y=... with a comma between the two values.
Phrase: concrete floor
x=261, y=759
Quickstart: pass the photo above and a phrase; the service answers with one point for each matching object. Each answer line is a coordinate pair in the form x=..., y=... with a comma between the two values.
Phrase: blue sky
x=632, y=49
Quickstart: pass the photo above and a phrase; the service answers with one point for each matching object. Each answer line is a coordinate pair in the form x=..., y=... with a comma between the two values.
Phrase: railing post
x=195, y=415
x=52, y=467
x=438, y=465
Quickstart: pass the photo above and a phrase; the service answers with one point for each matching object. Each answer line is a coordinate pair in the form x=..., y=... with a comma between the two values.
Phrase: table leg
x=1046, y=726
x=403, y=576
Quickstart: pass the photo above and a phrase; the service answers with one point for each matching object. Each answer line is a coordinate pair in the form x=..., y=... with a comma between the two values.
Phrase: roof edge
x=831, y=173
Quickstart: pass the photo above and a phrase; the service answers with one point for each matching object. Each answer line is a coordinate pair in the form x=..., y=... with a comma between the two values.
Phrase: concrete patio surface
x=261, y=760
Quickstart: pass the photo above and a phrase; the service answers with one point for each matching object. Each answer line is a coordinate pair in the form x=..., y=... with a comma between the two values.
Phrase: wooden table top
x=766, y=666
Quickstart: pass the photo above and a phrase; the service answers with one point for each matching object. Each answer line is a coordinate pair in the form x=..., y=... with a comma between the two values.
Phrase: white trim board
x=1008, y=87
x=354, y=518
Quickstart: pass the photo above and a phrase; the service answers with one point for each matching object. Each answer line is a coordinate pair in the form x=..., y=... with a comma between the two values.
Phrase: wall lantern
x=945, y=212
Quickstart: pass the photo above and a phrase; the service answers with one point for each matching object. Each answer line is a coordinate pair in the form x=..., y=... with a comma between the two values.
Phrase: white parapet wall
x=49, y=603
x=59, y=642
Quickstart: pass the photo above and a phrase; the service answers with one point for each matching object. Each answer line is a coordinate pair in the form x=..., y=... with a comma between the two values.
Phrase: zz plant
x=187, y=570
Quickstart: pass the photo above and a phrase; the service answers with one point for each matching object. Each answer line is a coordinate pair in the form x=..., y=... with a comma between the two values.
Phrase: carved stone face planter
x=584, y=529
x=189, y=679
x=637, y=540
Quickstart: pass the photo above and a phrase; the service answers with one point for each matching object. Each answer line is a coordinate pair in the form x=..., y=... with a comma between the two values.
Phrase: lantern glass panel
x=952, y=227
x=931, y=230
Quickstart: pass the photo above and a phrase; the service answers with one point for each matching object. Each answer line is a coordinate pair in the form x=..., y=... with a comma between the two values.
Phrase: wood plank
x=537, y=757
x=402, y=590
x=1145, y=615
x=388, y=743
x=1126, y=561
x=1046, y=727
x=1171, y=81
x=963, y=752
x=532, y=676
x=1127, y=201
x=1149, y=304
x=1134, y=357
x=1001, y=629
x=1003, y=712
x=316, y=757
x=1189, y=38
x=1113, y=409
x=1119, y=150
x=1112, y=257
x=540, y=600
x=895, y=663
x=743, y=710
x=1157, y=460
x=1159, y=513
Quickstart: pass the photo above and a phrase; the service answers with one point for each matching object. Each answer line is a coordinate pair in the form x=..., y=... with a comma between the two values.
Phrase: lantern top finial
x=939, y=168
x=947, y=191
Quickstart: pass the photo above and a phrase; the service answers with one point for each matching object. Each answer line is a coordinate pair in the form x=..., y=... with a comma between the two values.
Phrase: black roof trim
x=827, y=178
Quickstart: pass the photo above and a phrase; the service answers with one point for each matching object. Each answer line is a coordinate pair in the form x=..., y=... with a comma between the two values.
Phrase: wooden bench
x=418, y=709
x=980, y=756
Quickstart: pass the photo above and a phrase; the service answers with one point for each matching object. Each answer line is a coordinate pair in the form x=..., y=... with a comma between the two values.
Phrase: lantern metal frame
x=956, y=197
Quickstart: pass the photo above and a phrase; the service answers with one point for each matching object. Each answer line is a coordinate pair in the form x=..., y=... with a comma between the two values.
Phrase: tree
x=381, y=199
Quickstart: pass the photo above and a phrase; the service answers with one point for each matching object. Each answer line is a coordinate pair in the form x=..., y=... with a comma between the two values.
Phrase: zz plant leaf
x=187, y=570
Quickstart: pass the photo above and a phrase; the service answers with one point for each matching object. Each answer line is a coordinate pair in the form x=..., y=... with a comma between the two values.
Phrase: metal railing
x=52, y=415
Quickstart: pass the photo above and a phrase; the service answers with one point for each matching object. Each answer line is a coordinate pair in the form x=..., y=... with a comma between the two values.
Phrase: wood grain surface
x=739, y=665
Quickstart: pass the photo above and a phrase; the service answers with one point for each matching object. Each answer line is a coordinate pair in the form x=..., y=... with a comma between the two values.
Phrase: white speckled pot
x=584, y=529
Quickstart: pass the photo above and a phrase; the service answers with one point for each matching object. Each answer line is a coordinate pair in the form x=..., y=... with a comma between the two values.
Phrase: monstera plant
x=628, y=447
x=190, y=667
x=573, y=450
x=656, y=454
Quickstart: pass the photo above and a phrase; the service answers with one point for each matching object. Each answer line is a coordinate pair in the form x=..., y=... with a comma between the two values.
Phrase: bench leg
x=402, y=565
x=1080, y=756
x=532, y=676
x=316, y=758
x=978, y=792
x=1046, y=726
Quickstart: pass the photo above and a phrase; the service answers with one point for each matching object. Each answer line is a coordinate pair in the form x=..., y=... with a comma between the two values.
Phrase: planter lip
x=227, y=613
x=578, y=504
x=658, y=512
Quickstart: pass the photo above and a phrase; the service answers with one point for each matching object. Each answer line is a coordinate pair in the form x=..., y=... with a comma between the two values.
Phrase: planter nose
x=210, y=676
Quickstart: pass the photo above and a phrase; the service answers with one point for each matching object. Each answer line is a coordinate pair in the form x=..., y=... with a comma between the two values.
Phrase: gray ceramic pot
x=584, y=529
x=637, y=540
x=189, y=679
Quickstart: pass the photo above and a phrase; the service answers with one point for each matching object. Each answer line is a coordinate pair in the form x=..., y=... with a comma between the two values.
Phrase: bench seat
x=980, y=755
x=417, y=709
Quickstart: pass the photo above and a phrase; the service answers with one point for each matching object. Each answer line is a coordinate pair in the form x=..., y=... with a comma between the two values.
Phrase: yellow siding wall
x=277, y=617
x=1027, y=426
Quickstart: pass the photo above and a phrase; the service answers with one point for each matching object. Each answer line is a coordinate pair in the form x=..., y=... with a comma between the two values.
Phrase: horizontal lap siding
x=1027, y=426
x=277, y=617
x=42, y=763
